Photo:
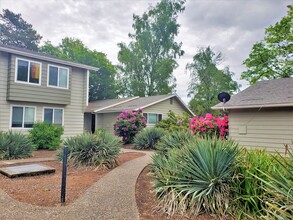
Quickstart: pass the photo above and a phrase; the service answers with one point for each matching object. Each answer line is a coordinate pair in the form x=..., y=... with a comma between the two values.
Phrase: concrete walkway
x=112, y=197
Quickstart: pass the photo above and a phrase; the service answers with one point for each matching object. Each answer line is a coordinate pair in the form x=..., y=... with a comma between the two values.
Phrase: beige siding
x=270, y=129
x=4, y=106
x=164, y=107
x=73, y=112
x=36, y=93
x=106, y=121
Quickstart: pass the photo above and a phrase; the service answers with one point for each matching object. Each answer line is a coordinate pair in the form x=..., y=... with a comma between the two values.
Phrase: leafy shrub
x=46, y=136
x=14, y=145
x=174, y=122
x=209, y=126
x=249, y=190
x=100, y=150
x=128, y=124
x=148, y=138
x=196, y=178
x=175, y=139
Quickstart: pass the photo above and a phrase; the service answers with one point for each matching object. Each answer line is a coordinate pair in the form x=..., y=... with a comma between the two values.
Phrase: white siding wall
x=269, y=129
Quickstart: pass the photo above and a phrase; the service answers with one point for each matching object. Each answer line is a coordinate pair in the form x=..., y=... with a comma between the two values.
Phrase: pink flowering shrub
x=128, y=124
x=209, y=125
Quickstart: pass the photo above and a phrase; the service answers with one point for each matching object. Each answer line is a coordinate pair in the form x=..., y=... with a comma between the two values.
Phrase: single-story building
x=262, y=115
x=102, y=114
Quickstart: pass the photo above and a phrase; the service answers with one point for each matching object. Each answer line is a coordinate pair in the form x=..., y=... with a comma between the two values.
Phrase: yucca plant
x=148, y=138
x=100, y=150
x=172, y=140
x=249, y=193
x=14, y=145
x=279, y=188
x=196, y=178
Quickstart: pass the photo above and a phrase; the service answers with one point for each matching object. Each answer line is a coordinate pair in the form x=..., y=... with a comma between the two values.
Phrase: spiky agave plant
x=99, y=150
x=148, y=138
x=174, y=140
x=14, y=145
x=196, y=178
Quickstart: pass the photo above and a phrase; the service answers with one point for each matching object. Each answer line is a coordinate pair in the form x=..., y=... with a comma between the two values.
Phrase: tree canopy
x=102, y=83
x=147, y=62
x=17, y=32
x=207, y=81
x=272, y=58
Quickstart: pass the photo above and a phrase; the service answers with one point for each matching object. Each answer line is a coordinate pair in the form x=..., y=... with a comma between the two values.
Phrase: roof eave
x=51, y=59
x=113, y=105
x=253, y=106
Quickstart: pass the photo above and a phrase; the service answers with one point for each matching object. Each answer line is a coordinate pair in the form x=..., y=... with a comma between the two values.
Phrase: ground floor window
x=152, y=118
x=22, y=116
x=53, y=116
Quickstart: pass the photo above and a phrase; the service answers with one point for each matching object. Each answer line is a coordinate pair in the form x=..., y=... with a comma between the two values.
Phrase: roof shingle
x=269, y=93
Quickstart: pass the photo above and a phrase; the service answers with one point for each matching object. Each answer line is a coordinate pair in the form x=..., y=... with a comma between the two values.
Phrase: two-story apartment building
x=38, y=87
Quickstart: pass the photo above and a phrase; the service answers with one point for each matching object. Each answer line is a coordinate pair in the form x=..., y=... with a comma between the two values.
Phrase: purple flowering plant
x=128, y=124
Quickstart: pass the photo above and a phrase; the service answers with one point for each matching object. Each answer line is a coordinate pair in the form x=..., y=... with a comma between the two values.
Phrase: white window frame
x=23, y=113
x=28, y=72
x=48, y=76
x=53, y=108
x=149, y=117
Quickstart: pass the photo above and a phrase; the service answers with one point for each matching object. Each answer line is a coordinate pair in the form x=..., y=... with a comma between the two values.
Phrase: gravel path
x=112, y=197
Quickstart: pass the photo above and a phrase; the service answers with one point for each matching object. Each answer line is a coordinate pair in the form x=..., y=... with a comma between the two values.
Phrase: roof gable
x=269, y=93
x=133, y=103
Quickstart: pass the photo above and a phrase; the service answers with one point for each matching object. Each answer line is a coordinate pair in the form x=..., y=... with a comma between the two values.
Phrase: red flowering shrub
x=209, y=125
x=128, y=124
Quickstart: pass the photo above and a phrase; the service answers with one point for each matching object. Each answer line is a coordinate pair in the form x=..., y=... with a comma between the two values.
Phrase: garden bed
x=45, y=190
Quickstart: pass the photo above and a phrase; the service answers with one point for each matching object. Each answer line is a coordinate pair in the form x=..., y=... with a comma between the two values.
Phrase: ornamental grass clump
x=97, y=150
x=14, y=145
x=196, y=178
x=148, y=138
x=209, y=126
x=278, y=187
x=128, y=124
x=249, y=191
x=176, y=139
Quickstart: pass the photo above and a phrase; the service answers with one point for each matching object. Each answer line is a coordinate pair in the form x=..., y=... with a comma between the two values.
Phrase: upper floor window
x=152, y=118
x=58, y=76
x=28, y=71
x=53, y=116
x=22, y=116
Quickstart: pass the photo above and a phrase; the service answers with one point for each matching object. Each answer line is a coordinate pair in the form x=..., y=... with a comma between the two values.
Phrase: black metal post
x=64, y=169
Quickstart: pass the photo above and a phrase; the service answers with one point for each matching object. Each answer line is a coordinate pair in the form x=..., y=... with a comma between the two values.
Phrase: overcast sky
x=228, y=26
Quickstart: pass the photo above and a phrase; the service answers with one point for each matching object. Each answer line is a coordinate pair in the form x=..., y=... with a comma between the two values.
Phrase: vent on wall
x=171, y=101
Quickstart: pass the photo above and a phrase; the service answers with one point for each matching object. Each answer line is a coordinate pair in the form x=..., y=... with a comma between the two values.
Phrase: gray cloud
x=229, y=26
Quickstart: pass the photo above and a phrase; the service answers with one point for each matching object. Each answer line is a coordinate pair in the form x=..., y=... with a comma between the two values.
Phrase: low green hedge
x=46, y=136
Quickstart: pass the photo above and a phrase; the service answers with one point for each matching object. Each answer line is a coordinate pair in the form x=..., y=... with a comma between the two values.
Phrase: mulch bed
x=146, y=201
x=44, y=190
